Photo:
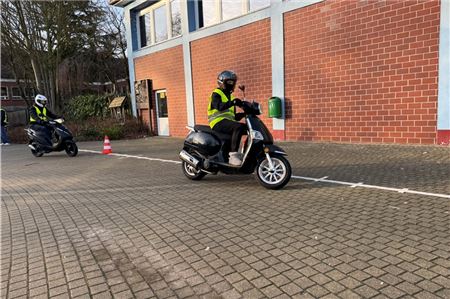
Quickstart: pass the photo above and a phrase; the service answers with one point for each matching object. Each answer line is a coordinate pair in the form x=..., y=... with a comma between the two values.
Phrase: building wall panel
x=245, y=50
x=362, y=71
x=166, y=70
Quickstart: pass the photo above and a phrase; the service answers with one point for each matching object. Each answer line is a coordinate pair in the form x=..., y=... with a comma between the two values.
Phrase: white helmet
x=40, y=100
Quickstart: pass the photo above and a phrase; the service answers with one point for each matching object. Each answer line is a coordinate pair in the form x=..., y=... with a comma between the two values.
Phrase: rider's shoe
x=235, y=158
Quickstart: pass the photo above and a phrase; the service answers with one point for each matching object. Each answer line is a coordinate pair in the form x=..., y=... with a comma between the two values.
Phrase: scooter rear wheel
x=277, y=177
x=191, y=173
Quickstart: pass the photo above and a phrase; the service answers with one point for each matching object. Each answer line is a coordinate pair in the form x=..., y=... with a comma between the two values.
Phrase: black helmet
x=227, y=80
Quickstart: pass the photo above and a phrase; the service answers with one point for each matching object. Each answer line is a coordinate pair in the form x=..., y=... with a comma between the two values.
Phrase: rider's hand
x=239, y=116
x=237, y=102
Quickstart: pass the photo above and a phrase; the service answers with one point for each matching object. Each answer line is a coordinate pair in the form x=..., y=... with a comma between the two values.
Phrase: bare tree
x=48, y=32
x=114, y=26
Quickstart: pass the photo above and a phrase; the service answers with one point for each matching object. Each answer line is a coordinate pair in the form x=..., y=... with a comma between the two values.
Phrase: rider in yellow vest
x=222, y=116
x=40, y=115
x=5, y=139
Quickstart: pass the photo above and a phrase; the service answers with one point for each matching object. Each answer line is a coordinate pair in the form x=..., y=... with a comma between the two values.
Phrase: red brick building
x=346, y=71
x=11, y=96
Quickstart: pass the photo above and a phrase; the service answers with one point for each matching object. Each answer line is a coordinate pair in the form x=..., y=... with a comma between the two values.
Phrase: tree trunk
x=37, y=74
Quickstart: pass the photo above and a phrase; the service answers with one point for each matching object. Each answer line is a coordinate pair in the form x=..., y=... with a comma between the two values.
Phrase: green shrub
x=87, y=106
x=114, y=132
x=90, y=133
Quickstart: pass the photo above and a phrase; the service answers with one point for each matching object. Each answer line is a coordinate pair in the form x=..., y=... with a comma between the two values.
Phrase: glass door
x=162, y=113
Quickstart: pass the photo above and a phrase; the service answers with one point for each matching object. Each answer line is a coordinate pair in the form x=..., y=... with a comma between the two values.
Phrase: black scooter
x=206, y=152
x=61, y=139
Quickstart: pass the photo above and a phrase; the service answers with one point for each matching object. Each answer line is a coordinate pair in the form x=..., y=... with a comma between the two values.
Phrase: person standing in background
x=5, y=139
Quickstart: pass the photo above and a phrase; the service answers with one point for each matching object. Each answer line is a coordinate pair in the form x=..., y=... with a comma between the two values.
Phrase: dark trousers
x=5, y=138
x=233, y=128
x=45, y=134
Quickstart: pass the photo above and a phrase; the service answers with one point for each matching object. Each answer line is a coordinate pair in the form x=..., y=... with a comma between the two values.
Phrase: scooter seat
x=207, y=129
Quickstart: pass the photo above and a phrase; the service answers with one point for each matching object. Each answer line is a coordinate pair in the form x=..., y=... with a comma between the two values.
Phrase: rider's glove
x=237, y=102
x=239, y=116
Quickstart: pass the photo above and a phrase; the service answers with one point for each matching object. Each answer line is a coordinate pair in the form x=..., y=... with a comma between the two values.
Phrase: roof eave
x=120, y=3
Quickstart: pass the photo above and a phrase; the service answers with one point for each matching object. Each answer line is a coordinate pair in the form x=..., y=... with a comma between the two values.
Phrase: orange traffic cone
x=107, y=146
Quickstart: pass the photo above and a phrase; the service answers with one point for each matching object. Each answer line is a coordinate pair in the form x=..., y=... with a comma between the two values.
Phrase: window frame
x=151, y=11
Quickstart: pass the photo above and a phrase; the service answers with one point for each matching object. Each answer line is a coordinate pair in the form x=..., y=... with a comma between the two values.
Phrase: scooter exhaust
x=188, y=158
x=32, y=147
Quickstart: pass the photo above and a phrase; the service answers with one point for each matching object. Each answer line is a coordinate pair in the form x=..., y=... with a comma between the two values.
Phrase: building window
x=231, y=9
x=145, y=29
x=175, y=11
x=204, y=13
x=159, y=22
x=15, y=91
x=160, y=16
x=4, y=94
x=258, y=4
x=209, y=12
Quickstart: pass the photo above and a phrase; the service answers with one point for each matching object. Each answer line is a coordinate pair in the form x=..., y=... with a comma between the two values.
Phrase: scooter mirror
x=242, y=87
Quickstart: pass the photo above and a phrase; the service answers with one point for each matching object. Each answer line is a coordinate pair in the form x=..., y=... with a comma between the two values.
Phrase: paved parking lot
x=98, y=226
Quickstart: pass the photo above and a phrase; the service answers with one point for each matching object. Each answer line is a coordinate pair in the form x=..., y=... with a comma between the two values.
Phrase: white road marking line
x=322, y=180
x=357, y=184
x=403, y=190
x=131, y=156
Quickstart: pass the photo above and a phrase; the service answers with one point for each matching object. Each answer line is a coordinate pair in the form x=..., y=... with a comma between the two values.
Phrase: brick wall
x=362, y=71
x=166, y=70
x=245, y=50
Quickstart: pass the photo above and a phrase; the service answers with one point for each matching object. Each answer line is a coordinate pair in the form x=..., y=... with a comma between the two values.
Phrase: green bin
x=275, y=107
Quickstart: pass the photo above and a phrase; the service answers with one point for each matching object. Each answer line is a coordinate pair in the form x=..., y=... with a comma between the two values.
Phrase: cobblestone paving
x=98, y=226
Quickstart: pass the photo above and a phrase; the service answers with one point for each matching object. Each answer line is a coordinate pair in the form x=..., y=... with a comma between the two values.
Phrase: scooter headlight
x=257, y=135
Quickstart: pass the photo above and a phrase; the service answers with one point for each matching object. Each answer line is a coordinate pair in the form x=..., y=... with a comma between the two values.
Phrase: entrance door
x=162, y=114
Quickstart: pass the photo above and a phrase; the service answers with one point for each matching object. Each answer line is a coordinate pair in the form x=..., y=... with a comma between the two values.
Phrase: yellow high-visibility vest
x=214, y=115
x=42, y=115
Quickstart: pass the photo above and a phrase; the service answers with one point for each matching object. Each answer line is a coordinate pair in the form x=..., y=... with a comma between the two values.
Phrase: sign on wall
x=143, y=93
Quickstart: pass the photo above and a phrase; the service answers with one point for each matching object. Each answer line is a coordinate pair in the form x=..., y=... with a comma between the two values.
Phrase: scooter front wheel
x=71, y=148
x=276, y=177
x=37, y=153
x=191, y=172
